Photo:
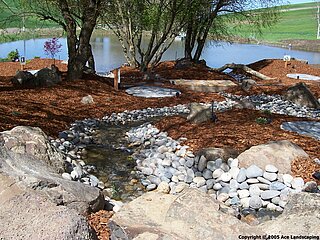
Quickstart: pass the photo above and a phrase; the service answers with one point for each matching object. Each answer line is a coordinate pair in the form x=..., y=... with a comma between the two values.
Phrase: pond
x=108, y=52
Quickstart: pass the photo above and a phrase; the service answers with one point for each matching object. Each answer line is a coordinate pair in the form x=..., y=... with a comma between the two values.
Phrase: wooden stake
x=116, y=81
x=286, y=64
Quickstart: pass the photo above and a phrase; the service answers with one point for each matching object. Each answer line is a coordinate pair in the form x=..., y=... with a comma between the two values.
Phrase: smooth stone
x=244, y=185
x=202, y=163
x=284, y=194
x=241, y=175
x=263, y=180
x=66, y=176
x=217, y=186
x=190, y=162
x=277, y=186
x=254, y=190
x=252, y=180
x=217, y=173
x=218, y=162
x=269, y=194
x=175, y=179
x=270, y=176
x=276, y=200
x=234, y=163
x=166, y=162
x=190, y=173
x=223, y=197
x=225, y=177
x=210, y=183
x=297, y=183
x=225, y=167
x=245, y=202
x=234, y=171
x=265, y=203
x=262, y=186
x=151, y=187
x=233, y=194
x=272, y=206
x=211, y=165
x=287, y=179
x=163, y=187
x=271, y=168
x=282, y=203
x=255, y=202
x=225, y=189
x=235, y=200
x=207, y=174
x=203, y=189
x=234, y=184
x=243, y=193
x=200, y=181
x=254, y=171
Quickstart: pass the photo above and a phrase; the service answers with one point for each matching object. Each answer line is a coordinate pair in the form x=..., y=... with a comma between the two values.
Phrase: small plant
x=262, y=120
x=13, y=56
x=267, y=112
x=36, y=57
x=52, y=47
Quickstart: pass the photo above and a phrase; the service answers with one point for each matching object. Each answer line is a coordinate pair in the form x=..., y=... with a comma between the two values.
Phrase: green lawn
x=293, y=24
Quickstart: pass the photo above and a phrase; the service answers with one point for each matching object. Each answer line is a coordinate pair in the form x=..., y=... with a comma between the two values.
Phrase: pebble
x=255, y=202
x=243, y=193
x=254, y=171
x=245, y=202
x=225, y=167
x=151, y=187
x=66, y=176
x=225, y=177
x=202, y=163
x=241, y=175
x=200, y=181
x=270, y=176
x=234, y=171
x=252, y=180
x=244, y=185
x=297, y=183
x=223, y=197
x=235, y=201
x=217, y=173
x=254, y=190
x=210, y=183
x=234, y=163
x=263, y=180
x=269, y=194
x=234, y=184
x=271, y=168
x=207, y=174
x=277, y=186
x=211, y=165
x=217, y=186
x=272, y=206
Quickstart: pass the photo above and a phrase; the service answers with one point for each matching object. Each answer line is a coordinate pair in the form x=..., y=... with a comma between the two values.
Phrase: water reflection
x=108, y=52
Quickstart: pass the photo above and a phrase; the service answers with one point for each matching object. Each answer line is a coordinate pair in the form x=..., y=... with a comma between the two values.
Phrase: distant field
x=296, y=22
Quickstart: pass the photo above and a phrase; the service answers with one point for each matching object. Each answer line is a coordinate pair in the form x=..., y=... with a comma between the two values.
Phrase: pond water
x=108, y=52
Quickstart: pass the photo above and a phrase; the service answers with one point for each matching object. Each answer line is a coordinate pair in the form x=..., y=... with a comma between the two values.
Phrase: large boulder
x=32, y=141
x=301, y=216
x=190, y=215
x=30, y=167
x=277, y=153
x=211, y=154
x=199, y=113
x=24, y=79
x=48, y=77
x=302, y=96
x=26, y=214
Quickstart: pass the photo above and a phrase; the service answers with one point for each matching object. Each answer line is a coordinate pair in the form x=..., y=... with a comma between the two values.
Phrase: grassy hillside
x=295, y=22
x=13, y=19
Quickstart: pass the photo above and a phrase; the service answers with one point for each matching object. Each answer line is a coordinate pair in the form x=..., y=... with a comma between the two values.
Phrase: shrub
x=52, y=47
x=263, y=120
x=13, y=56
x=36, y=57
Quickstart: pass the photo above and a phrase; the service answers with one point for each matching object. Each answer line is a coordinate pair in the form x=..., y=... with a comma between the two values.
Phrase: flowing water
x=108, y=52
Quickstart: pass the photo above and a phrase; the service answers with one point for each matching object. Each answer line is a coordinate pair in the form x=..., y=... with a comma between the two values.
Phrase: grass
x=295, y=22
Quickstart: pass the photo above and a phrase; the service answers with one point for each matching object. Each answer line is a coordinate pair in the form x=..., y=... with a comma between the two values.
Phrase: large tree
x=207, y=16
x=146, y=28
x=77, y=17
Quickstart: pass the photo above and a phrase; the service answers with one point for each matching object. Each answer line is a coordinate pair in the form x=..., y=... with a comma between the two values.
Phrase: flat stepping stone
x=311, y=129
x=303, y=76
x=152, y=92
x=205, y=85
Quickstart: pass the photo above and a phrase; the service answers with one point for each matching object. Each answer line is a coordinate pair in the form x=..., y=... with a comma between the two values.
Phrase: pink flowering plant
x=52, y=47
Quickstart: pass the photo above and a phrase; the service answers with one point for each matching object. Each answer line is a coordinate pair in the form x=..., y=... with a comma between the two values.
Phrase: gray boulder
x=301, y=216
x=247, y=84
x=301, y=95
x=199, y=113
x=277, y=153
x=189, y=215
x=32, y=141
x=24, y=79
x=48, y=77
x=26, y=214
x=211, y=154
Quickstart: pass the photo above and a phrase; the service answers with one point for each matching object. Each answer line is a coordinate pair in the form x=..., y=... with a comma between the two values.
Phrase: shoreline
x=16, y=34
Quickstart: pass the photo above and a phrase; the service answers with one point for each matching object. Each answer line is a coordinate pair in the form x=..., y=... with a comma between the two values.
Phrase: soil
x=54, y=109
